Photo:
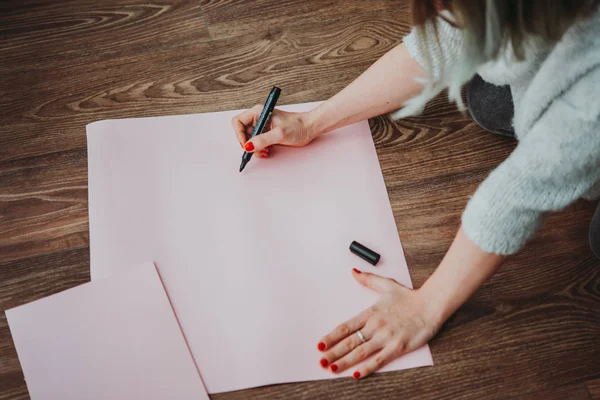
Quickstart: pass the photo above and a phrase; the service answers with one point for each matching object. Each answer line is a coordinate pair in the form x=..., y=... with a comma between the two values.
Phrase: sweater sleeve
x=442, y=52
x=556, y=163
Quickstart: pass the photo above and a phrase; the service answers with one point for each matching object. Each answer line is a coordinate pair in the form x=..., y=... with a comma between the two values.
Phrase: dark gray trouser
x=492, y=108
x=595, y=232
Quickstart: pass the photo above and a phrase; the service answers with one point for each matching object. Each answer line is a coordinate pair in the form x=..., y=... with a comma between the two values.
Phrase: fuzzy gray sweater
x=556, y=94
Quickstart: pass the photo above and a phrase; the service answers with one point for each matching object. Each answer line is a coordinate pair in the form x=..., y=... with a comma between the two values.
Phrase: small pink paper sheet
x=256, y=264
x=114, y=338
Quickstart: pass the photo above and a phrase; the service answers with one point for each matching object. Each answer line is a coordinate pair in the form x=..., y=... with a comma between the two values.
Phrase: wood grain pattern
x=574, y=392
x=82, y=31
x=531, y=331
x=594, y=388
x=227, y=18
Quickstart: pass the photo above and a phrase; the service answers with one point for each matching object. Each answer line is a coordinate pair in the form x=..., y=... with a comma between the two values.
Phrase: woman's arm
x=463, y=270
x=403, y=319
x=384, y=87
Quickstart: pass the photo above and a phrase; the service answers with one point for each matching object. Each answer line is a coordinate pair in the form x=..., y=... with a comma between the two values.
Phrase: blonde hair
x=488, y=28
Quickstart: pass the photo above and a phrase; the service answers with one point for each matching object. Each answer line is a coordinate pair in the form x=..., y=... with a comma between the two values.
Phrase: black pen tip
x=242, y=166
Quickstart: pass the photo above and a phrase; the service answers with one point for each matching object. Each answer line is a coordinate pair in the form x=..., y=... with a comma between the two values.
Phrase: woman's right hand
x=283, y=128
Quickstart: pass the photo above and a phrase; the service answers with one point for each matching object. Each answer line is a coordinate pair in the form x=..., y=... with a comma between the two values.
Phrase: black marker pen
x=262, y=121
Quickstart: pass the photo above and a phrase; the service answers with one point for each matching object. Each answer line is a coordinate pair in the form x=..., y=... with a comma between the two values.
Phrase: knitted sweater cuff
x=496, y=228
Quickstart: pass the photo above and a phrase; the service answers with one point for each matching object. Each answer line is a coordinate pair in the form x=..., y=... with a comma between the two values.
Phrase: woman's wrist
x=316, y=123
x=435, y=307
x=464, y=269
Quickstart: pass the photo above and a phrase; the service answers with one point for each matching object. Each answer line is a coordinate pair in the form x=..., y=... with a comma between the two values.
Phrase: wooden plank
x=68, y=32
x=39, y=276
x=227, y=18
x=572, y=392
x=43, y=204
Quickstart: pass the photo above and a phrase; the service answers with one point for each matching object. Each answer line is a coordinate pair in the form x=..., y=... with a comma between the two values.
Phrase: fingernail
x=333, y=367
x=356, y=375
x=321, y=346
x=324, y=362
x=249, y=146
x=357, y=271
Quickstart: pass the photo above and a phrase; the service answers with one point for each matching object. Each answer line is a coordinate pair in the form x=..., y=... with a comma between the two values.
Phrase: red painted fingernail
x=356, y=375
x=357, y=271
x=321, y=346
x=324, y=362
x=333, y=367
x=249, y=146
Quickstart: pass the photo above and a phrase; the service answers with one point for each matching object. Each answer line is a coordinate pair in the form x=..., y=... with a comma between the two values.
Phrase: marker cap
x=365, y=253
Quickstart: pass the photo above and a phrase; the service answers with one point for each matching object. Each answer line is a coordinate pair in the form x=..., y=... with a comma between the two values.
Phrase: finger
x=385, y=356
x=263, y=153
x=344, y=330
x=244, y=120
x=375, y=282
x=249, y=130
x=266, y=139
x=358, y=354
x=340, y=349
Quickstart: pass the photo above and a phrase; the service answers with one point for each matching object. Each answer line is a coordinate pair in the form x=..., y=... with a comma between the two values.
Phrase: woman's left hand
x=397, y=324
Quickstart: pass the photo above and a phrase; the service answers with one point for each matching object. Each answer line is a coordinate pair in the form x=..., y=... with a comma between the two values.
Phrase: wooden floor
x=532, y=332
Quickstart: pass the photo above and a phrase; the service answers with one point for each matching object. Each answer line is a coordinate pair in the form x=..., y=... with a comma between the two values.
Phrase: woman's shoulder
x=569, y=76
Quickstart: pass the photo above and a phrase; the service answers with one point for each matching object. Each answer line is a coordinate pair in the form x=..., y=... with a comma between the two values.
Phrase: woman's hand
x=285, y=128
x=397, y=324
x=404, y=319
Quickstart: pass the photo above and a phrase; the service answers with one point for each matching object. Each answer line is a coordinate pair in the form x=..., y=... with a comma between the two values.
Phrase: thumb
x=265, y=140
x=374, y=282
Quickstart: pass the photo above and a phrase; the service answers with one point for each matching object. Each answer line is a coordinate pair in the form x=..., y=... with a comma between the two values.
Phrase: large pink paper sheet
x=115, y=339
x=257, y=263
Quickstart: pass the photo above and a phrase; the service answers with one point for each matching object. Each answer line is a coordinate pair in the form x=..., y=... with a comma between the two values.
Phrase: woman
x=538, y=66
